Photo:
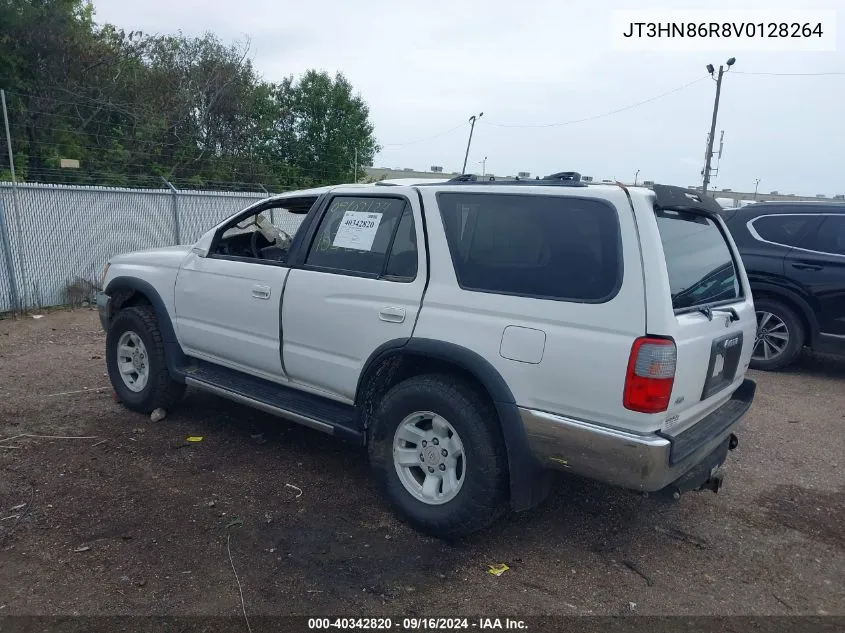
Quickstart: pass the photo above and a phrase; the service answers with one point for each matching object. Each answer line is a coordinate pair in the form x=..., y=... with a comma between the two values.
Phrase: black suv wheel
x=780, y=335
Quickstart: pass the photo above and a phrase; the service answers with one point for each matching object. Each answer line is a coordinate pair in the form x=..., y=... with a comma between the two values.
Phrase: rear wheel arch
x=796, y=304
x=403, y=359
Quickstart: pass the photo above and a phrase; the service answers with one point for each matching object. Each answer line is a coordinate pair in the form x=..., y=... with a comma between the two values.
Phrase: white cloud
x=425, y=67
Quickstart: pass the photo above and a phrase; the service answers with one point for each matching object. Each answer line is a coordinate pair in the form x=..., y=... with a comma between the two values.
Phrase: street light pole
x=483, y=162
x=709, y=155
x=472, y=120
x=756, y=184
x=635, y=177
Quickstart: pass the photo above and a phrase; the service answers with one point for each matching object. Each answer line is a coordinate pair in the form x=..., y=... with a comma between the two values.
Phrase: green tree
x=321, y=124
x=132, y=107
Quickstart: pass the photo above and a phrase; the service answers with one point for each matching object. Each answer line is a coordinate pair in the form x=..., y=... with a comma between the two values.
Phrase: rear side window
x=831, y=236
x=782, y=229
x=549, y=247
x=698, y=259
x=402, y=263
x=356, y=234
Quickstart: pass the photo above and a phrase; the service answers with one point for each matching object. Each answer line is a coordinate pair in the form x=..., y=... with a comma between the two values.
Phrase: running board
x=316, y=412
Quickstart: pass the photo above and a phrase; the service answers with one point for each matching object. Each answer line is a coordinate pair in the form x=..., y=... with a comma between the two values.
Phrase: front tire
x=780, y=335
x=436, y=449
x=136, y=362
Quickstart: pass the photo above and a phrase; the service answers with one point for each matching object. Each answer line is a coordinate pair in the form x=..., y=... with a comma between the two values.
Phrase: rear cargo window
x=701, y=268
x=550, y=247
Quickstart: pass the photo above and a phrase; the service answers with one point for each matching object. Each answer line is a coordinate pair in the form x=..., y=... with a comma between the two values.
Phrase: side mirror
x=200, y=252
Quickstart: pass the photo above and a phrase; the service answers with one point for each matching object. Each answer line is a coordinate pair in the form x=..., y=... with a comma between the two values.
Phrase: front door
x=228, y=301
x=227, y=312
x=361, y=286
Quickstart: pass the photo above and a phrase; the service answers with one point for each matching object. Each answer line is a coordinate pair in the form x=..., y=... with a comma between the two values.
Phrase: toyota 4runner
x=473, y=335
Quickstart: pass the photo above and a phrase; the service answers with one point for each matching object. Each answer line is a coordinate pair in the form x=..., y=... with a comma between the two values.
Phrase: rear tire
x=470, y=488
x=776, y=320
x=136, y=362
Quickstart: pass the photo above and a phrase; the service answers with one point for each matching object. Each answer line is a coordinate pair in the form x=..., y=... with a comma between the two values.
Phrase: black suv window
x=356, y=234
x=699, y=262
x=830, y=237
x=540, y=246
x=782, y=229
x=403, y=255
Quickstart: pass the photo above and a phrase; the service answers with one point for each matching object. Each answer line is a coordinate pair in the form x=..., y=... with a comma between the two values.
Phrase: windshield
x=698, y=259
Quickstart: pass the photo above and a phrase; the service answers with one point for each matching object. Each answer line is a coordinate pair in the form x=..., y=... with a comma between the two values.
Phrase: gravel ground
x=136, y=520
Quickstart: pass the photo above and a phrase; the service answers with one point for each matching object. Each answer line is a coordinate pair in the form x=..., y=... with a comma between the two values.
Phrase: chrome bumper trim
x=628, y=460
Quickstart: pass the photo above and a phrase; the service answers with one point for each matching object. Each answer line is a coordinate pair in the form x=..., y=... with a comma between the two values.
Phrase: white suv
x=472, y=334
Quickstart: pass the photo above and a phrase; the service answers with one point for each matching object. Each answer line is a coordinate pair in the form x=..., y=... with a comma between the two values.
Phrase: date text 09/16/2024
x=417, y=624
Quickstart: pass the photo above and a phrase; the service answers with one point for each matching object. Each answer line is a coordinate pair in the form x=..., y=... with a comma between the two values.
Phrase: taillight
x=651, y=374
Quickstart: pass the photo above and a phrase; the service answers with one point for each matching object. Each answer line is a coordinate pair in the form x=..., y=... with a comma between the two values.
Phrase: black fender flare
x=174, y=354
x=528, y=478
x=806, y=311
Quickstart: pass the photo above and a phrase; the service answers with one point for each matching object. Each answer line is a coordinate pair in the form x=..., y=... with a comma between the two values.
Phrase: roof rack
x=470, y=178
x=563, y=178
x=566, y=176
x=671, y=198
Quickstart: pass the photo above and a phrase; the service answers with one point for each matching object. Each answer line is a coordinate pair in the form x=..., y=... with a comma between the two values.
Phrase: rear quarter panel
x=583, y=362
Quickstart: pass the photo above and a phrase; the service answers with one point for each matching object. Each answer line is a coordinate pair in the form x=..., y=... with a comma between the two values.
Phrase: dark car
x=794, y=254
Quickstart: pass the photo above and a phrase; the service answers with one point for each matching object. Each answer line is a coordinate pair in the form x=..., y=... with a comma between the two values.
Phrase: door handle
x=261, y=292
x=807, y=266
x=392, y=315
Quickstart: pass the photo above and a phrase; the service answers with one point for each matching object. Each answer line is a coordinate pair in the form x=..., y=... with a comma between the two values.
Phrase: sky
x=425, y=67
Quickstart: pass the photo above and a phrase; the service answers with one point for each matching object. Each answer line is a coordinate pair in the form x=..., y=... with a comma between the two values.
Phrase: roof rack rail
x=568, y=176
x=670, y=198
x=562, y=179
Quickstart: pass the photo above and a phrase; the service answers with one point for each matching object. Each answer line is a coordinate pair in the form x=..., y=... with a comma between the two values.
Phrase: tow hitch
x=714, y=483
x=705, y=476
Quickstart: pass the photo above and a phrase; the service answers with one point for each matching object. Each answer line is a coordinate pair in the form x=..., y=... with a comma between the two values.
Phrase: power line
x=740, y=72
x=428, y=138
x=100, y=153
x=598, y=116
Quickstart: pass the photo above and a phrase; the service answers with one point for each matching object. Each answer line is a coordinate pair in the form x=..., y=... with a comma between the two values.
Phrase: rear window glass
x=539, y=246
x=698, y=259
x=781, y=229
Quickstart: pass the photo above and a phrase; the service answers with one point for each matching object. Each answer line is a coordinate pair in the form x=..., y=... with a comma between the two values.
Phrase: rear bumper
x=639, y=462
x=104, y=308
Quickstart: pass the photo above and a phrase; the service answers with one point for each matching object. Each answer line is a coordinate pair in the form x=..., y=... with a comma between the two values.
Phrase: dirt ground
x=137, y=520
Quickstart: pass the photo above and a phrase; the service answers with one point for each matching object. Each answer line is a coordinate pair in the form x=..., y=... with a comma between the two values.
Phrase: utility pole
x=472, y=120
x=709, y=153
x=635, y=177
x=756, y=184
x=19, y=296
x=355, y=168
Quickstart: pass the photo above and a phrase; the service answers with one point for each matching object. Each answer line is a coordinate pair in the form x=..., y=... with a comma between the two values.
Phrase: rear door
x=708, y=312
x=818, y=265
x=360, y=286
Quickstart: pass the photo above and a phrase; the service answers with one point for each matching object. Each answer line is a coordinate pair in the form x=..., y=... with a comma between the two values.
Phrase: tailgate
x=714, y=323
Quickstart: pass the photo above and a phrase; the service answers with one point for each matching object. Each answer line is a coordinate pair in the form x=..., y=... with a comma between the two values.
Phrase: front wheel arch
x=131, y=291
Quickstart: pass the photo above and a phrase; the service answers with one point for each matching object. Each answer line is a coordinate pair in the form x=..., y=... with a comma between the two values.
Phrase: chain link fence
x=55, y=239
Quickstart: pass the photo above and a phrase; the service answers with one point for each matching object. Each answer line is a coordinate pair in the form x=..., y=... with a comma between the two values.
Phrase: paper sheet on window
x=357, y=230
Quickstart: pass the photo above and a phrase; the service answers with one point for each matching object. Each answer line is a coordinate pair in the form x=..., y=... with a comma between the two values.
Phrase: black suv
x=794, y=253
